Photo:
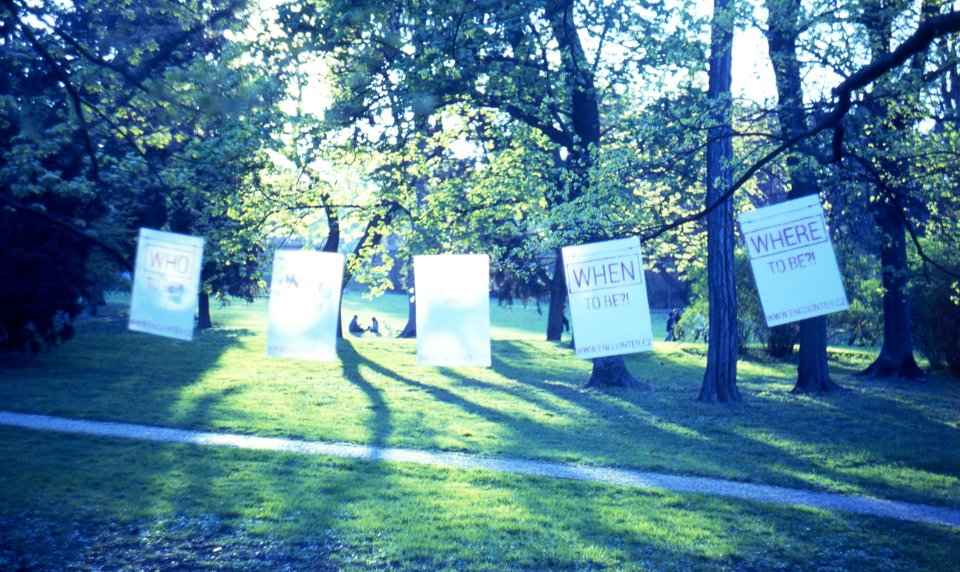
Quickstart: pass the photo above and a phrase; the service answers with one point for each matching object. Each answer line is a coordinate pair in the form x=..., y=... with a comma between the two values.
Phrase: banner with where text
x=304, y=304
x=793, y=261
x=166, y=281
x=453, y=309
x=608, y=298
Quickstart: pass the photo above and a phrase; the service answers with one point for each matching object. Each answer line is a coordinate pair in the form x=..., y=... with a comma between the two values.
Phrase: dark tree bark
x=813, y=370
x=612, y=372
x=95, y=299
x=203, y=310
x=813, y=374
x=558, y=301
x=585, y=125
x=410, y=330
x=720, y=376
x=333, y=245
x=896, y=354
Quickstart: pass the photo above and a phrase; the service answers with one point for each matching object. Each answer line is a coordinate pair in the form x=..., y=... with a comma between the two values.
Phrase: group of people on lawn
x=356, y=329
x=673, y=331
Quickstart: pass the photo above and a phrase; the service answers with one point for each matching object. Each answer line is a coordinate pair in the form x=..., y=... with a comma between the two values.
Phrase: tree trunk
x=95, y=300
x=612, y=371
x=558, y=301
x=720, y=377
x=410, y=330
x=813, y=373
x=203, y=311
x=585, y=121
x=340, y=317
x=333, y=245
x=896, y=354
x=813, y=370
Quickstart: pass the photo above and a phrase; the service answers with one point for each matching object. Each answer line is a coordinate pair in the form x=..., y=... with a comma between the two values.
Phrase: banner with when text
x=166, y=282
x=304, y=304
x=793, y=261
x=453, y=309
x=608, y=298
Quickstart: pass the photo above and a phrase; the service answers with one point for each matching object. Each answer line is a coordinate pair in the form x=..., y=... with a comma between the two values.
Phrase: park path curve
x=622, y=477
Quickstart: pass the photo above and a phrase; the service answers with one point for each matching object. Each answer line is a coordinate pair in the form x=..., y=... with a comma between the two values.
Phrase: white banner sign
x=793, y=261
x=165, y=284
x=608, y=298
x=304, y=304
x=453, y=309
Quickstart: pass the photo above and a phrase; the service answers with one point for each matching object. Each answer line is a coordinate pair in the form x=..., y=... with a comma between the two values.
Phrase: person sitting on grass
x=374, y=326
x=355, y=327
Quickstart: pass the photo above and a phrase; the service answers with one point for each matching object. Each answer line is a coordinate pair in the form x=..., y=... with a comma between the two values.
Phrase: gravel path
x=623, y=477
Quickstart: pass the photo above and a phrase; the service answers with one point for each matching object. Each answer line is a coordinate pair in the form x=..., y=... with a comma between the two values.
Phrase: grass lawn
x=91, y=502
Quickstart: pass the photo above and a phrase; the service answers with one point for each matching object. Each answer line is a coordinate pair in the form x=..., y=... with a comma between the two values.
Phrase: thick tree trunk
x=203, y=311
x=813, y=373
x=340, y=317
x=720, y=377
x=558, y=301
x=410, y=330
x=813, y=370
x=612, y=372
x=95, y=300
x=896, y=354
x=333, y=245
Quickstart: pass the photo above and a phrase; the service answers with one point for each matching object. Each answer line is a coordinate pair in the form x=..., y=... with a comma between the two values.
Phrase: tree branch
x=64, y=225
x=64, y=77
x=919, y=41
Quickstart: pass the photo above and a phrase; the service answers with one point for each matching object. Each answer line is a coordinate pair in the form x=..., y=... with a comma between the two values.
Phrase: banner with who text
x=166, y=282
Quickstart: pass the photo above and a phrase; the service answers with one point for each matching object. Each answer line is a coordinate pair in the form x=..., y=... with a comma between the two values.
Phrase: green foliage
x=116, y=115
x=862, y=323
x=37, y=303
x=514, y=86
x=751, y=323
x=935, y=302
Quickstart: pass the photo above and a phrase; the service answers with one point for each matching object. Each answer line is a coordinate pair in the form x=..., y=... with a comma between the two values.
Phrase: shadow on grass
x=127, y=505
x=352, y=362
x=438, y=394
x=109, y=373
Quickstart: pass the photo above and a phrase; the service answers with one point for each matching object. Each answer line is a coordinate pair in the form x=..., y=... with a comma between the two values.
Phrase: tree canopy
x=511, y=128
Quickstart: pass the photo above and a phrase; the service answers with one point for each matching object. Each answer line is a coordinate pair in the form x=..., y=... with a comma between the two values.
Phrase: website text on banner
x=608, y=298
x=165, y=284
x=304, y=304
x=793, y=261
x=453, y=309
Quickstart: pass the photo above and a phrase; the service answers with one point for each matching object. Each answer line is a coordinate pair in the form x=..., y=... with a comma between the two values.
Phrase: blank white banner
x=304, y=304
x=793, y=261
x=165, y=284
x=608, y=298
x=453, y=309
